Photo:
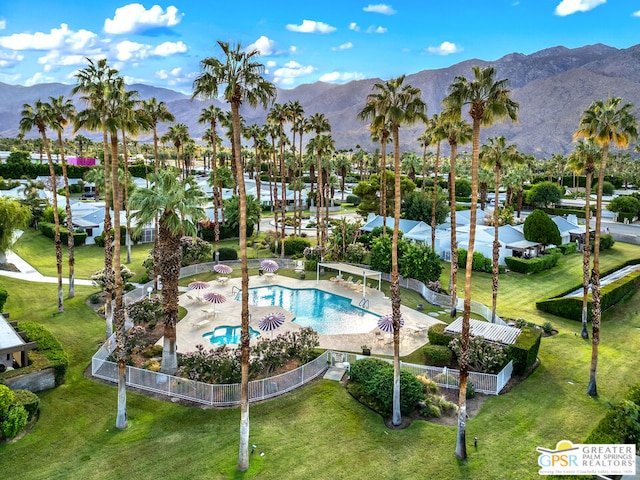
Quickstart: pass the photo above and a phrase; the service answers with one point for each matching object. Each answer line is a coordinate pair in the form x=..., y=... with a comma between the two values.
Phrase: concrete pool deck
x=200, y=320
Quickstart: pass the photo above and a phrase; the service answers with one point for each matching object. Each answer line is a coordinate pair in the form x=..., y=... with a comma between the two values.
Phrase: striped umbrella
x=222, y=268
x=271, y=322
x=215, y=298
x=198, y=285
x=269, y=266
x=385, y=323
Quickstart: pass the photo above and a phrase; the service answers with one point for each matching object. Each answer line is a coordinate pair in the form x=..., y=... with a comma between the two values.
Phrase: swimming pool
x=325, y=312
x=228, y=335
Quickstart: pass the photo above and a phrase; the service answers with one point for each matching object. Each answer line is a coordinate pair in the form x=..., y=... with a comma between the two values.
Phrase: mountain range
x=553, y=87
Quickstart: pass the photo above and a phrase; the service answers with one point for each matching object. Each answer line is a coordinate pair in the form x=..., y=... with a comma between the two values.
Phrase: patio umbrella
x=269, y=266
x=385, y=323
x=198, y=285
x=271, y=322
x=222, y=268
x=215, y=298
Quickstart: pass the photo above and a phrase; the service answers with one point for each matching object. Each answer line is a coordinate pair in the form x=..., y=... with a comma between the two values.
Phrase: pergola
x=351, y=269
x=13, y=345
x=524, y=248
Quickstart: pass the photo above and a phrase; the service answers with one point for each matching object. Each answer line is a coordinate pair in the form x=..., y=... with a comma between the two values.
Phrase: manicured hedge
x=533, y=265
x=49, y=230
x=29, y=400
x=3, y=297
x=566, y=307
x=618, y=424
x=568, y=248
x=49, y=346
x=437, y=336
x=578, y=212
x=525, y=350
x=437, y=355
x=227, y=253
x=295, y=246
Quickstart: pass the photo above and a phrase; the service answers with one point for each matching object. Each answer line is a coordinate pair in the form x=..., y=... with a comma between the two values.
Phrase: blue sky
x=301, y=42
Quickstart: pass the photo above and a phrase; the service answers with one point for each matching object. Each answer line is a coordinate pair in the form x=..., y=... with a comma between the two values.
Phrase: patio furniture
x=223, y=280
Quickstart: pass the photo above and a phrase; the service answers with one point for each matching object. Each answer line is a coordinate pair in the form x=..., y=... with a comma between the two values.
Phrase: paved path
x=27, y=272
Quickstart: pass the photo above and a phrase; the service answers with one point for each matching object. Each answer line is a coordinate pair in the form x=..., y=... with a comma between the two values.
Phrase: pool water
x=228, y=335
x=325, y=312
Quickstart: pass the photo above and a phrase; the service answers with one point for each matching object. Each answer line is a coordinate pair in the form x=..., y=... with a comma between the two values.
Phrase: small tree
x=625, y=204
x=421, y=263
x=13, y=216
x=538, y=227
x=544, y=193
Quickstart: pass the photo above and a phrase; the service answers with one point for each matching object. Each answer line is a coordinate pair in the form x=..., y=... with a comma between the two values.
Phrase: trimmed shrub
x=437, y=355
x=29, y=400
x=606, y=242
x=437, y=336
x=621, y=424
x=3, y=297
x=49, y=346
x=533, y=265
x=568, y=248
x=353, y=199
x=227, y=253
x=525, y=350
x=295, y=246
x=14, y=421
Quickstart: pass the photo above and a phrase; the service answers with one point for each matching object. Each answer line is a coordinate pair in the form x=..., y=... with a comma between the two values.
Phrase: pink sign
x=82, y=162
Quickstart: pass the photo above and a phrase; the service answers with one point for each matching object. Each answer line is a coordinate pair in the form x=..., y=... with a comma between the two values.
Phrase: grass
x=319, y=431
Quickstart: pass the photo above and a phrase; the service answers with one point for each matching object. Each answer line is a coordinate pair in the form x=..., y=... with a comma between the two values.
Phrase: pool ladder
x=236, y=292
x=364, y=303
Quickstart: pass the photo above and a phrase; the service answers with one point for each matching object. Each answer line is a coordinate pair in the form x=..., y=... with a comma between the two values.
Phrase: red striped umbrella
x=269, y=266
x=271, y=321
x=215, y=298
x=385, y=323
x=198, y=285
x=222, y=268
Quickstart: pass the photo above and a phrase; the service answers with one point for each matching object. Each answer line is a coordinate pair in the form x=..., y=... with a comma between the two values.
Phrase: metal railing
x=488, y=383
x=200, y=392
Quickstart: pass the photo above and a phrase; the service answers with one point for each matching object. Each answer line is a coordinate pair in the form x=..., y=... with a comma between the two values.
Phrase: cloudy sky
x=301, y=42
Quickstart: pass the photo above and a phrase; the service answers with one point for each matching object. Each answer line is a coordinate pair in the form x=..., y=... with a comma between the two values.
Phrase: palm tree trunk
x=126, y=196
x=434, y=200
x=56, y=220
x=453, y=281
x=108, y=240
x=170, y=251
x=461, y=446
x=395, y=283
x=496, y=246
x=596, y=313
x=383, y=184
x=70, y=244
x=586, y=254
x=216, y=199
x=319, y=199
x=243, y=455
x=156, y=226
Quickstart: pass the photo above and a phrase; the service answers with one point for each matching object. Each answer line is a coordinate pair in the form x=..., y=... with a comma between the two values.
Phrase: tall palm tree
x=605, y=122
x=41, y=115
x=178, y=206
x=322, y=145
x=240, y=79
x=295, y=115
x=94, y=83
x=278, y=116
x=394, y=103
x=211, y=115
x=319, y=124
x=488, y=100
x=437, y=134
x=63, y=111
x=178, y=135
x=458, y=132
x=497, y=154
x=583, y=159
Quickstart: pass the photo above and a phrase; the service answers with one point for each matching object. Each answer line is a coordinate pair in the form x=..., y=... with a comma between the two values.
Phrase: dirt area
x=9, y=267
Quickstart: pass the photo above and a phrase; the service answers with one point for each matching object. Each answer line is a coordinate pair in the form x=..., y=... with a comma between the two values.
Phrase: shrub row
x=49, y=230
x=620, y=424
x=533, y=265
x=578, y=212
x=293, y=246
x=3, y=297
x=437, y=336
x=480, y=263
x=49, y=346
x=568, y=248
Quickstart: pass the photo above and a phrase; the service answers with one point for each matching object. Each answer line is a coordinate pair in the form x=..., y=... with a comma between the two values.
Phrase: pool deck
x=200, y=318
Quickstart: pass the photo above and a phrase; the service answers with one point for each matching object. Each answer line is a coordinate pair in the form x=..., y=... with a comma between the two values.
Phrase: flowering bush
x=484, y=356
x=98, y=277
x=195, y=250
x=434, y=286
x=219, y=365
x=312, y=253
x=146, y=311
x=135, y=340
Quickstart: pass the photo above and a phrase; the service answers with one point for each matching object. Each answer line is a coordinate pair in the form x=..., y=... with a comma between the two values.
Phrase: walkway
x=30, y=274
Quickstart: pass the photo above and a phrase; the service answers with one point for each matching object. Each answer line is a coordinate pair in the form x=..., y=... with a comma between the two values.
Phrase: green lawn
x=319, y=431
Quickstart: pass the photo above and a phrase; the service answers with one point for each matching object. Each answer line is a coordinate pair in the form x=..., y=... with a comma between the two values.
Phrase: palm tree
x=605, y=122
x=63, y=111
x=295, y=114
x=497, y=154
x=95, y=83
x=583, y=159
x=41, y=115
x=488, y=101
x=178, y=134
x=394, y=104
x=277, y=116
x=211, y=115
x=458, y=132
x=436, y=134
x=319, y=124
x=322, y=145
x=240, y=79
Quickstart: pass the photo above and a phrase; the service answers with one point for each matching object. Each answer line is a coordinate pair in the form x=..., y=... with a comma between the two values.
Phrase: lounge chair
x=357, y=285
x=349, y=280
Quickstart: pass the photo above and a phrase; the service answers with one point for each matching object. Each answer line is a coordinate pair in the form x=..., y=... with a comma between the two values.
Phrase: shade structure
x=222, y=268
x=271, y=321
x=198, y=285
x=269, y=266
x=215, y=298
x=385, y=323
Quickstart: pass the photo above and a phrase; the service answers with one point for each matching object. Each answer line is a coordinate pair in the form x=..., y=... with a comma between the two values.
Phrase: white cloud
x=311, y=26
x=13, y=78
x=338, y=77
x=354, y=26
x=380, y=8
x=374, y=29
x=127, y=50
x=287, y=74
x=445, y=48
x=38, y=78
x=568, y=7
x=134, y=18
x=54, y=59
x=344, y=46
x=636, y=14
x=3, y=24
x=8, y=60
x=169, y=48
x=57, y=39
x=176, y=77
x=264, y=45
